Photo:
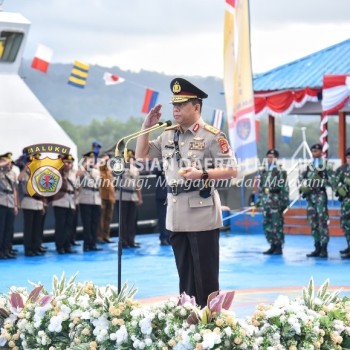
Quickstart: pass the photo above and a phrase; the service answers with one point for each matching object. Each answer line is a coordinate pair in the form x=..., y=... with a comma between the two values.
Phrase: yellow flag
x=238, y=83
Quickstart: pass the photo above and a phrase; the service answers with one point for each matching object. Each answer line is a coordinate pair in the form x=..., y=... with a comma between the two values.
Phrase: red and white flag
x=42, y=58
x=112, y=79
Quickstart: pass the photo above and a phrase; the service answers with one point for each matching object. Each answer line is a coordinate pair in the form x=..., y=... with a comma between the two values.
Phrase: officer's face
x=185, y=113
x=271, y=159
x=348, y=160
x=316, y=153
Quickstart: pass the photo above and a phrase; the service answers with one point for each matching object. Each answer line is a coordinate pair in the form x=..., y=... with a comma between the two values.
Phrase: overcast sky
x=183, y=37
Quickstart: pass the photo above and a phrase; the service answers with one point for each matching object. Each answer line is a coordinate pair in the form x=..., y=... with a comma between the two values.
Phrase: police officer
x=89, y=200
x=273, y=197
x=194, y=155
x=131, y=197
x=34, y=209
x=314, y=180
x=342, y=180
x=64, y=207
x=8, y=205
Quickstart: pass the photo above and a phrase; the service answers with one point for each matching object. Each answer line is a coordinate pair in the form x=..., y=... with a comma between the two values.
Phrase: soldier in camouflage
x=314, y=180
x=342, y=178
x=273, y=197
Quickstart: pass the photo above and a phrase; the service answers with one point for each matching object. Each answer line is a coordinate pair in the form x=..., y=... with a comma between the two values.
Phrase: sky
x=183, y=37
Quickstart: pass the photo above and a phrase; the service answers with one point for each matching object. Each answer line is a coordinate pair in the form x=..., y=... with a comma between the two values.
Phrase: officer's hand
x=152, y=117
x=190, y=173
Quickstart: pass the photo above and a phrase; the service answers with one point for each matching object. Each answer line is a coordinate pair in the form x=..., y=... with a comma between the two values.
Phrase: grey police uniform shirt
x=68, y=200
x=129, y=184
x=29, y=202
x=199, y=147
x=89, y=188
x=8, y=184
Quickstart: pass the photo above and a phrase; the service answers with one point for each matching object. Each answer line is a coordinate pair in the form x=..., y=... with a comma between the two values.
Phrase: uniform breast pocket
x=199, y=202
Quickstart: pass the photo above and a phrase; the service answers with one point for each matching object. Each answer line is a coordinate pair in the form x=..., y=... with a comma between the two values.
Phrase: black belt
x=176, y=189
x=275, y=191
x=70, y=192
x=6, y=191
x=318, y=190
x=91, y=189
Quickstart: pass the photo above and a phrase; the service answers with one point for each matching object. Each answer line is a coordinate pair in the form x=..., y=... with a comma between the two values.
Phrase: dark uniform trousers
x=197, y=262
x=33, y=221
x=7, y=217
x=64, y=224
x=90, y=216
x=128, y=221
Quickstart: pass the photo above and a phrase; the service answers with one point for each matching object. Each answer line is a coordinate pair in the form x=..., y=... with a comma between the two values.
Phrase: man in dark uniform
x=273, y=197
x=314, y=180
x=342, y=181
x=194, y=155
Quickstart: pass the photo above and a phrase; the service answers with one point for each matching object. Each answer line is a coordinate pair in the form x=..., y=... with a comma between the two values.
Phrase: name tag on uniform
x=197, y=145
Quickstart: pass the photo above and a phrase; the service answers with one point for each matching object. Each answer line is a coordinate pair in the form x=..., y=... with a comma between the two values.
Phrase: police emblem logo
x=224, y=146
x=243, y=128
x=45, y=179
x=176, y=88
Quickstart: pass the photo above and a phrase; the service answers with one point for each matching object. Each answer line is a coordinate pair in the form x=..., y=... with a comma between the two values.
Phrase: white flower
x=210, y=339
x=55, y=324
x=281, y=301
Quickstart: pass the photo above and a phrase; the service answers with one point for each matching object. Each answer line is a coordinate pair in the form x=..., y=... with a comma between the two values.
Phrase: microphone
x=143, y=132
x=139, y=133
x=117, y=162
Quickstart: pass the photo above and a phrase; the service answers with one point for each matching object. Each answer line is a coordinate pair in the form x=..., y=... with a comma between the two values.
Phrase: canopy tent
x=298, y=88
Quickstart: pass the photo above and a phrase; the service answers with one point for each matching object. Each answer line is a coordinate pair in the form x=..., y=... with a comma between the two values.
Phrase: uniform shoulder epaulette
x=172, y=127
x=212, y=129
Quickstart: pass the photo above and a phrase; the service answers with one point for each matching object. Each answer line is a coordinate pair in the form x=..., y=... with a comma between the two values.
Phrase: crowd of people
x=91, y=192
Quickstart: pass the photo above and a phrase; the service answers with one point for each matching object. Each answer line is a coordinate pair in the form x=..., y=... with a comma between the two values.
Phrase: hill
x=98, y=101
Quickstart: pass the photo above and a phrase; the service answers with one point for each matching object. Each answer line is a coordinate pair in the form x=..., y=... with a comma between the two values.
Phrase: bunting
x=238, y=84
x=112, y=79
x=42, y=58
x=287, y=133
x=79, y=75
x=218, y=119
x=150, y=100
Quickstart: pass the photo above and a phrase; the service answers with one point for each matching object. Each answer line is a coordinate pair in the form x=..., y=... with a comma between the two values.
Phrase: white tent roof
x=24, y=121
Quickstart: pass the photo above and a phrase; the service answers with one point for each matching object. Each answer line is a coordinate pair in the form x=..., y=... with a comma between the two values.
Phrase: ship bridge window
x=10, y=43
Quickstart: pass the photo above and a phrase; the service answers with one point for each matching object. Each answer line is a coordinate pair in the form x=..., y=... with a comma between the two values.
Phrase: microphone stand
x=118, y=168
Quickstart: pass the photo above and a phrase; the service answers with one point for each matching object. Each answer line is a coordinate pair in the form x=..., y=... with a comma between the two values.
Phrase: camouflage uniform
x=314, y=181
x=273, y=197
x=342, y=178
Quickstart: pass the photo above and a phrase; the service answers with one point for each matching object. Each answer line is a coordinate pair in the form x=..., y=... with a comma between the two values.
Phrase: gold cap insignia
x=176, y=87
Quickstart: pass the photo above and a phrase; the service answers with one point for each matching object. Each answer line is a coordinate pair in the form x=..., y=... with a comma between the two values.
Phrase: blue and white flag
x=218, y=118
x=287, y=133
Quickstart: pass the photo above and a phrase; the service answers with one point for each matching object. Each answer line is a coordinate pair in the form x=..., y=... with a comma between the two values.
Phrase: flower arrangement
x=83, y=316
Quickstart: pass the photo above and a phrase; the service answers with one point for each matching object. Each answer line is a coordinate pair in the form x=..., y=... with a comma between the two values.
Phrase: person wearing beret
x=8, y=205
x=194, y=155
x=64, y=207
x=314, y=181
x=89, y=199
x=342, y=188
x=273, y=197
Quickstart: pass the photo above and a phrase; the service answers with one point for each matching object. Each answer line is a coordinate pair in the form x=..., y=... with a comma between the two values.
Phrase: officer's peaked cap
x=274, y=152
x=316, y=146
x=66, y=157
x=6, y=156
x=183, y=91
x=89, y=154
